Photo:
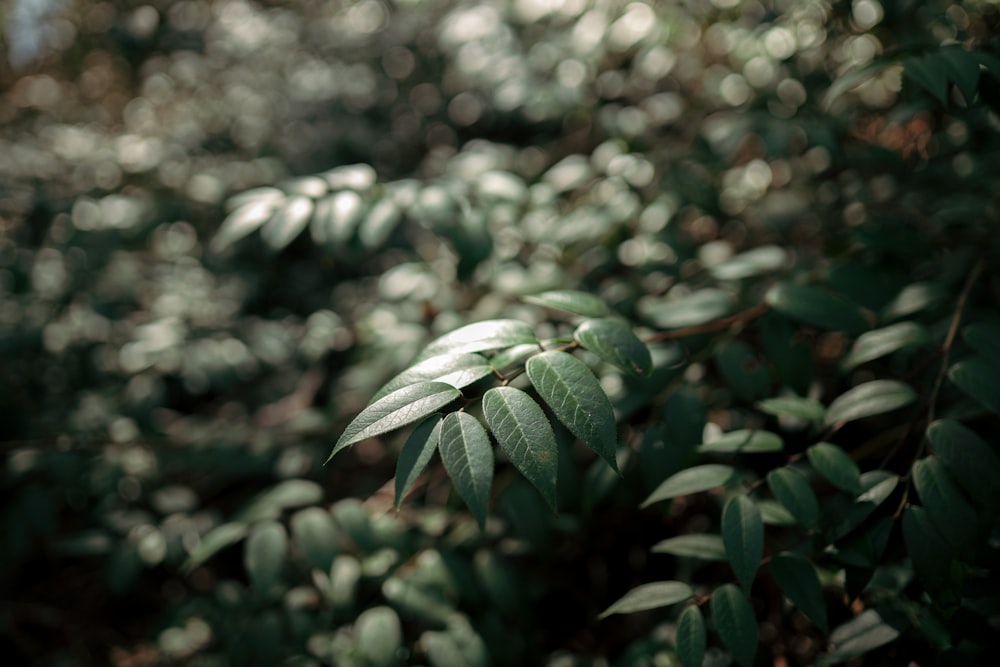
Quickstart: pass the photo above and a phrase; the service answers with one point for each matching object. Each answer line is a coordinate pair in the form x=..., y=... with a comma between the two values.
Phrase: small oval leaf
x=973, y=462
x=743, y=535
x=950, y=513
x=264, y=554
x=468, y=457
x=744, y=441
x=874, y=344
x=691, y=637
x=978, y=378
x=800, y=583
x=868, y=399
x=378, y=635
x=415, y=455
x=691, y=480
x=751, y=263
x=287, y=223
x=836, y=466
x=650, y=596
x=700, y=545
x=793, y=406
x=691, y=310
x=571, y=301
x=315, y=533
x=817, y=307
x=480, y=336
x=735, y=622
x=613, y=341
x=861, y=634
x=794, y=492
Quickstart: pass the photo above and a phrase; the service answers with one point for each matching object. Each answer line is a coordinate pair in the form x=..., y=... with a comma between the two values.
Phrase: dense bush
x=696, y=303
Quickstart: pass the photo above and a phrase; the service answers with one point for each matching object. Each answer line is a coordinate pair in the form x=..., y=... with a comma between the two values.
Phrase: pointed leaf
x=415, y=455
x=817, y=307
x=930, y=71
x=868, y=399
x=798, y=580
x=701, y=546
x=459, y=370
x=735, y=622
x=614, y=342
x=927, y=550
x=575, y=396
x=468, y=457
x=793, y=406
x=264, y=554
x=691, y=637
x=522, y=430
x=288, y=222
x=401, y=407
x=691, y=480
x=691, y=310
x=794, y=492
x=880, y=342
x=315, y=533
x=861, y=634
x=978, y=378
x=487, y=335
x=948, y=510
x=963, y=69
x=751, y=263
x=974, y=463
x=571, y=301
x=743, y=535
x=984, y=339
x=744, y=441
x=650, y=596
x=836, y=466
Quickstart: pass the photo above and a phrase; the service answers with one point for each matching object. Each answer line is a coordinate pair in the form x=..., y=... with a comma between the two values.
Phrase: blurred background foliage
x=171, y=380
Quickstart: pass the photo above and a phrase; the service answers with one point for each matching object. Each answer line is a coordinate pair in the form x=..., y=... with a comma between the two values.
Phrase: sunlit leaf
x=504, y=359
x=650, y=596
x=571, y=301
x=744, y=441
x=794, y=492
x=735, y=622
x=458, y=369
x=836, y=466
x=480, y=336
x=743, y=536
x=613, y=341
x=691, y=310
x=691, y=480
x=691, y=637
x=861, y=634
x=797, y=578
x=244, y=221
x=288, y=222
x=468, y=457
x=702, y=546
x=379, y=224
x=522, y=430
x=880, y=342
x=793, y=406
x=575, y=396
x=378, y=634
x=978, y=378
x=973, y=462
x=401, y=407
x=913, y=299
x=415, y=455
x=817, y=307
x=264, y=554
x=948, y=510
x=751, y=263
x=869, y=399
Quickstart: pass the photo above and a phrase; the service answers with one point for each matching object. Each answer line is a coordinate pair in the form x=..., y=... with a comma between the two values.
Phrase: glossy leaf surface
x=468, y=457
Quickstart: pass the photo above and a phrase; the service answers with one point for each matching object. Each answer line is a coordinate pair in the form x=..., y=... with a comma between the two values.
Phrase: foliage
x=696, y=304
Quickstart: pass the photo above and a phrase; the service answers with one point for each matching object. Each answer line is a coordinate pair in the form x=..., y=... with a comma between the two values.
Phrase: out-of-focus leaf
x=852, y=79
x=931, y=72
x=480, y=336
x=836, y=466
x=287, y=223
x=691, y=480
x=468, y=457
x=244, y=221
x=459, y=370
x=401, y=407
x=794, y=492
x=744, y=441
x=978, y=378
x=378, y=634
x=735, y=622
x=691, y=637
x=691, y=310
x=577, y=399
x=773, y=513
x=571, y=301
x=458, y=645
x=315, y=533
x=950, y=513
x=215, y=541
x=415, y=455
x=793, y=406
x=929, y=553
x=285, y=495
x=523, y=432
x=650, y=596
x=984, y=339
x=974, y=463
x=264, y=554
x=378, y=225
x=701, y=546
x=880, y=342
x=742, y=370
x=613, y=341
x=797, y=578
x=963, y=69
x=751, y=263
x=868, y=399
x=861, y=634
x=865, y=549
x=743, y=535
x=817, y=307
x=913, y=299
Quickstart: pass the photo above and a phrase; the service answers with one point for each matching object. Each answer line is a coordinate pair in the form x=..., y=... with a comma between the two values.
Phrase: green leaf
x=315, y=533
x=458, y=645
x=699, y=545
x=742, y=370
x=523, y=432
x=852, y=79
x=865, y=548
x=773, y=513
x=793, y=406
x=817, y=307
x=930, y=72
x=696, y=308
x=571, y=301
x=285, y=495
x=751, y=263
x=691, y=637
x=691, y=480
x=378, y=225
x=506, y=358
x=984, y=339
x=575, y=396
x=401, y=407
x=487, y=335
x=974, y=463
x=868, y=399
x=264, y=554
x=415, y=455
x=288, y=222
x=794, y=492
x=978, y=378
x=378, y=635
x=950, y=513
x=836, y=466
x=861, y=634
x=928, y=552
x=245, y=220
x=613, y=341
x=459, y=370
x=800, y=583
x=963, y=69
x=880, y=342
x=913, y=299
x=468, y=458
x=650, y=596
x=215, y=541
x=743, y=535
x=735, y=622
x=744, y=441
